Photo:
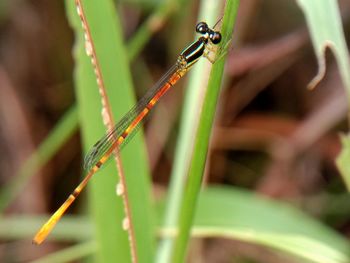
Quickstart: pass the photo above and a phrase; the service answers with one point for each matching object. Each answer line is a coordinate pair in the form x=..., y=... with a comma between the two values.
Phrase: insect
x=117, y=137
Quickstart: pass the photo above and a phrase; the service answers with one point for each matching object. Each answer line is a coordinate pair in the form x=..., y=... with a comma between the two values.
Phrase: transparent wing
x=102, y=147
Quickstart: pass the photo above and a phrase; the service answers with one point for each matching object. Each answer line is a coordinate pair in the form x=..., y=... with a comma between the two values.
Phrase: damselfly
x=116, y=138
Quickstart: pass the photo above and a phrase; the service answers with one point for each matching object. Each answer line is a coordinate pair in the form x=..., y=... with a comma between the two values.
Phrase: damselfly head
x=215, y=37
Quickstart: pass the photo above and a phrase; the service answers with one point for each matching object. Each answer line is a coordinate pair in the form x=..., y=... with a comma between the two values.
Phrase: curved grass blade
x=325, y=26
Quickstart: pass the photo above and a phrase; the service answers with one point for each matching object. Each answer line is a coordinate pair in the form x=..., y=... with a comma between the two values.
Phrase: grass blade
x=107, y=208
x=245, y=216
x=201, y=141
x=325, y=26
x=209, y=13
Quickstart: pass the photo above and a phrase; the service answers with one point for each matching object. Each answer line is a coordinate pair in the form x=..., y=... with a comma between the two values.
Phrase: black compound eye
x=215, y=37
x=202, y=28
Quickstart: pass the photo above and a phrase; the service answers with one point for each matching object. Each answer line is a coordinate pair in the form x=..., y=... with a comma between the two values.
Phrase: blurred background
x=272, y=135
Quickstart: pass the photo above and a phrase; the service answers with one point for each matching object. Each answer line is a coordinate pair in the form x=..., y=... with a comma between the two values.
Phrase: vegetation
x=266, y=181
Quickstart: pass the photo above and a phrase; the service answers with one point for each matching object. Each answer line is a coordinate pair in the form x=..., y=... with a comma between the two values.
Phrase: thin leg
x=210, y=51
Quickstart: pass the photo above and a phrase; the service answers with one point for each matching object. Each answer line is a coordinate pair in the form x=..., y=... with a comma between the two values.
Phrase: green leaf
x=107, y=208
x=209, y=13
x=325, y=26
x=234, y=213
x=201, y=141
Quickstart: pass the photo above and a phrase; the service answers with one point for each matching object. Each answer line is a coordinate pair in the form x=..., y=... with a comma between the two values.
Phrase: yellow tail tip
x=39, y=237
x=35, y=242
